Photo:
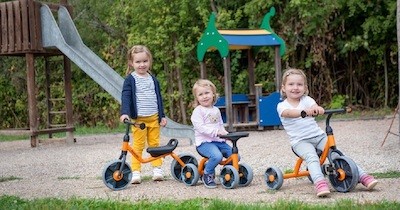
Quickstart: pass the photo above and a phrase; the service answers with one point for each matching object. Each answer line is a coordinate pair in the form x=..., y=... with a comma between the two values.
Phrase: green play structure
x=251, y=109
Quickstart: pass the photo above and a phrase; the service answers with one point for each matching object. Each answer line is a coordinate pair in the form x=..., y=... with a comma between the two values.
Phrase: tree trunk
x=170, y=91
x=385, y=69
x=398, y=51
x=180, y=86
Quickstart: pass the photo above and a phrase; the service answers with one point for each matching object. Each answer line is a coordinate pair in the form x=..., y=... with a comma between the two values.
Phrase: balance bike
x=232, y=173
x=117, y=174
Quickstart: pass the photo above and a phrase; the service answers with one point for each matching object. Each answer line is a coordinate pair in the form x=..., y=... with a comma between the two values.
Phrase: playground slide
x=65, y=37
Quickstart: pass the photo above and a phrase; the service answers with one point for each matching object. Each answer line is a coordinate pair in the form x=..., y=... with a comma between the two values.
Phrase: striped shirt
x=145, y=95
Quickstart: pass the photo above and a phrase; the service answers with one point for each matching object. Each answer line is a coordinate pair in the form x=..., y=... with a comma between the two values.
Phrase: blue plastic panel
x=267, y=108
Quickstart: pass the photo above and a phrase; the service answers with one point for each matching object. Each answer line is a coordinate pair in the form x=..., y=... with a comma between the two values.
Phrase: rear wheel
x=176, y=168
x=245, y=174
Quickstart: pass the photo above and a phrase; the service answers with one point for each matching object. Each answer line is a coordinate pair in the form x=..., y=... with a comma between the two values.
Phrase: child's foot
x=368, y=181
x=208, y=180
x=158, y=174
x=322, y=188
x=136, y=177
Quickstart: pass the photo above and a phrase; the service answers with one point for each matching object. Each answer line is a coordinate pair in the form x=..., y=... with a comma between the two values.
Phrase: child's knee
x=311, y=158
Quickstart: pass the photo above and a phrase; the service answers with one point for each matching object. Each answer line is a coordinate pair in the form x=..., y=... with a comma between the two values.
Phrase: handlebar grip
x=342, y=110
x=303, y=114
x=142, y=126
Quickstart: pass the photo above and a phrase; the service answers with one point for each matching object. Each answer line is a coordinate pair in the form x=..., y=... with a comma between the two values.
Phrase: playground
x=64, y=171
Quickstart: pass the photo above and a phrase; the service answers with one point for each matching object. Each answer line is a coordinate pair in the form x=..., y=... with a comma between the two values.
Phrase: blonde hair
x=134, y=50
x=291, y=71
x=203, y=83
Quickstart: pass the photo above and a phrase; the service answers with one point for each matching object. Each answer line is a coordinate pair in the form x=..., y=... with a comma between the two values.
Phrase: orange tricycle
x=341, y=170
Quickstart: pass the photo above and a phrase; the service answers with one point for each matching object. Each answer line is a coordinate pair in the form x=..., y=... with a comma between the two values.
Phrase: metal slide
x=65, y=37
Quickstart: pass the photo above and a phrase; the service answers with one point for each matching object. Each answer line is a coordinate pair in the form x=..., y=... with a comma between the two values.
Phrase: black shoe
x=208, y=180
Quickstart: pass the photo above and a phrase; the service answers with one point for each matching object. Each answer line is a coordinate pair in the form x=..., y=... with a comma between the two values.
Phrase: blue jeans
x=214, y=151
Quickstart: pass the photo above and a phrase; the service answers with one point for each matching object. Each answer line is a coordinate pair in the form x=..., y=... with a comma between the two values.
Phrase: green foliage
x=338, y=101
x=344, y=46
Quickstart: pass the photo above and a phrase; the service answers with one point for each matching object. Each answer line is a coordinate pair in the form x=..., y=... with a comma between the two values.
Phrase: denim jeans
x=214, y=151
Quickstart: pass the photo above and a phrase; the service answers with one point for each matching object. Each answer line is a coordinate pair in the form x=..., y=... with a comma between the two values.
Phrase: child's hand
x=314, y=111
x=222, y=132
x=123, y=117
x=163, y=122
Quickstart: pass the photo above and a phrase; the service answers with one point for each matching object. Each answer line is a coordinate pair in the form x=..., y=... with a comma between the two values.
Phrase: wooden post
x=68, y=99
x=32, y=104
x=278, y=69
x=48, y=93
x=258, y=88
x=228, y=94
x=203, y=73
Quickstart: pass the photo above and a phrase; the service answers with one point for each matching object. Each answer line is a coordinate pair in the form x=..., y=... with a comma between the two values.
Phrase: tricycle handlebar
x=330, y=111
x=138, y=125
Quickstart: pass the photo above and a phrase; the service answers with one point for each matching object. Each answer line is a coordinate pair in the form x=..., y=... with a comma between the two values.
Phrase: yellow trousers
x=151, y=135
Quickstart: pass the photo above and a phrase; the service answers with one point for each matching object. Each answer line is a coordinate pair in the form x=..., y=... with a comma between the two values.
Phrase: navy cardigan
x=128, y=98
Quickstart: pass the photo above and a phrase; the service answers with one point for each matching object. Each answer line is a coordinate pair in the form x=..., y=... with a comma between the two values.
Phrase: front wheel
x=115, y=179
x=273, y=178
x=176, y=168
x=345, y=176
x=245, y=174
x=229, y=177
x=190, y=174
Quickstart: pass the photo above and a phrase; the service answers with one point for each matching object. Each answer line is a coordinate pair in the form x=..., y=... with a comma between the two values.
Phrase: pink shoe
x=322, y=188
x=368, y=181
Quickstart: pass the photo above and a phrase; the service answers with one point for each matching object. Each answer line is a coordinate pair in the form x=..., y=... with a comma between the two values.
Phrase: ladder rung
x=57, y=125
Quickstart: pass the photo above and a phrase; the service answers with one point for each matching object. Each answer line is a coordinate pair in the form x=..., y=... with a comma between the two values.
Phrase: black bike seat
x=234, y=136
x=158, y=151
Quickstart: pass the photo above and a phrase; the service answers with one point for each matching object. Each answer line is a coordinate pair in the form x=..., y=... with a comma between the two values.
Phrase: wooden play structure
x=21, y=35
x=251, y=109
x=32, y=29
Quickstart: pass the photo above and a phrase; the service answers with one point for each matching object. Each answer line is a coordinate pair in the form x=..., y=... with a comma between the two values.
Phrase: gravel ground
x=63, y=171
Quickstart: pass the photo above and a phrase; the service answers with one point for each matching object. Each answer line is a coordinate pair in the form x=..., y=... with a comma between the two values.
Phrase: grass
x=12, y=202
x=389, y=174
x=9, y=178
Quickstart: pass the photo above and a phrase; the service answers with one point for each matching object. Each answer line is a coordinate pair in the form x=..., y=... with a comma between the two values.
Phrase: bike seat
x=234, y=136
x=158, y=151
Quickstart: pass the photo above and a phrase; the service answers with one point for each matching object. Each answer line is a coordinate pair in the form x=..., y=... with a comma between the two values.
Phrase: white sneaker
x=136, y=177
x=158, y=174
